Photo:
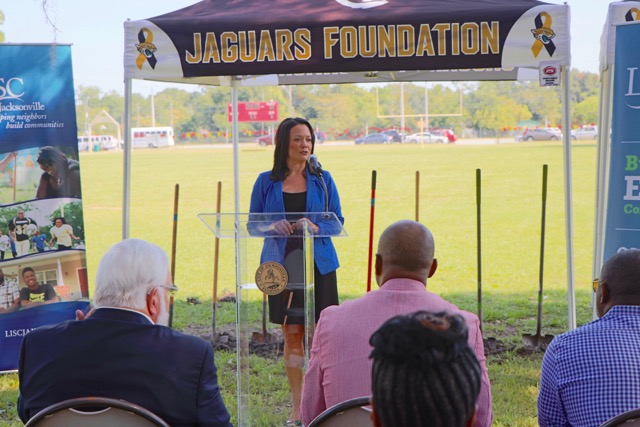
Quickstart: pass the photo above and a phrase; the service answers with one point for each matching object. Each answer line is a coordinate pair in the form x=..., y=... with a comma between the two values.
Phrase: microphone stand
x=325, y=215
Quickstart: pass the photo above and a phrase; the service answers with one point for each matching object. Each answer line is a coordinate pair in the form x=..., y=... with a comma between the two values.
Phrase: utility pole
x=402, y=106
x=153, y=110
x=426, y=108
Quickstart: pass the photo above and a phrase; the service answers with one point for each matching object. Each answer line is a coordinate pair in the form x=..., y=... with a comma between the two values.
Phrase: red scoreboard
x=255, y=111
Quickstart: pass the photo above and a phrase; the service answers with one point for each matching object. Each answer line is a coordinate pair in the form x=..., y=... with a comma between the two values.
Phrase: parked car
x=542, y=134
x=585, y=132
x=395, y=135
x=451, y=136
x=426, y=137
x=321, y=137
x=374, y=138
x=265, y=140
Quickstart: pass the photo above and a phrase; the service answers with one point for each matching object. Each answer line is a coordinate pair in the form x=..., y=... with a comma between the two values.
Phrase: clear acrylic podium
x=257, y=242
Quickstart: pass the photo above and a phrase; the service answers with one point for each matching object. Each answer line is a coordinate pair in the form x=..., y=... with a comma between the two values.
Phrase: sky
x=95, y=29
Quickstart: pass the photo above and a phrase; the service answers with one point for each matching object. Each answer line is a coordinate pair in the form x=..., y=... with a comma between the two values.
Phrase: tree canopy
x=350, y=110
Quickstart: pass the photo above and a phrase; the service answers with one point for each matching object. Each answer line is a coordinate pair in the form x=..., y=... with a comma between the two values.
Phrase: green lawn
x=511, y=204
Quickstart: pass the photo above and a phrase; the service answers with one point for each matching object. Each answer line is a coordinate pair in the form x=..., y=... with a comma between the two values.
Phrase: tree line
x=348, y=110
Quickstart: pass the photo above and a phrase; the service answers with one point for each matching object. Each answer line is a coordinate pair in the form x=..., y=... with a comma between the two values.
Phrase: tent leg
x=126, y=191
x=242, y=379
x=566, y=115
x=604, y=123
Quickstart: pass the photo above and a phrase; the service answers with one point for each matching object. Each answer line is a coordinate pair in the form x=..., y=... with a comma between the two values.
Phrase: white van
x=152, y=137
x=97, y=143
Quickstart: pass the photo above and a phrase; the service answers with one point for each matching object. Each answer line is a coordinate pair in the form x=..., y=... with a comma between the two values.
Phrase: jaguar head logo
x=543, y=34
x=147, y=49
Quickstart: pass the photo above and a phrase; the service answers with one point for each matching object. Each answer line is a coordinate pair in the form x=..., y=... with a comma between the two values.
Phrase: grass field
x=511, y=204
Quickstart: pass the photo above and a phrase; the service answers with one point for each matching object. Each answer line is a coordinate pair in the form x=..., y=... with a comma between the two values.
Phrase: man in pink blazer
x=340, y=368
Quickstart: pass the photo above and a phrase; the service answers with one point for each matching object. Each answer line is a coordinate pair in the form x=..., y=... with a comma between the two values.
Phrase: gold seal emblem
x=272, y=278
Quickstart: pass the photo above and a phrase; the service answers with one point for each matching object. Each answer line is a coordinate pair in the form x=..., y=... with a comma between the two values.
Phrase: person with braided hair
x=424, y=372
x=339, y=367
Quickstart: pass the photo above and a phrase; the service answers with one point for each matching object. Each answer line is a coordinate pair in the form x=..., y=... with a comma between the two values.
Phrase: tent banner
x=619, y=12
x=296, y=37
x=42, y=233
x=622, y=228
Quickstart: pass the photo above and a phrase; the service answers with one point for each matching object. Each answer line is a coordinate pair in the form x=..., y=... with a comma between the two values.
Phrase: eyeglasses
x=595, y=282
x=172, y=289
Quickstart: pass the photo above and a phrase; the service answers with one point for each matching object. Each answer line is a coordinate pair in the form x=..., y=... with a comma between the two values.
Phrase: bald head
x=405, y=250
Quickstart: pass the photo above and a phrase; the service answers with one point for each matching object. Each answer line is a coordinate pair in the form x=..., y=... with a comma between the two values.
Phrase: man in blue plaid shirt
x=9, y=295
x=592, y=373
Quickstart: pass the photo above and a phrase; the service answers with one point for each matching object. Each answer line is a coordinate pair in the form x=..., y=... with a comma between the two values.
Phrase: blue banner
x=622, y=228
x=43, y=275
x=16, y=325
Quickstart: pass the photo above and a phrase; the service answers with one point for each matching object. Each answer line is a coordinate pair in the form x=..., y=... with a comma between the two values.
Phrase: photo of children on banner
x=9, y=294
x=39, y=172
x=21, y=227
x=61, y=176
x=34, y=294
x=5, y=245
x=62, y=233
x=38, y=240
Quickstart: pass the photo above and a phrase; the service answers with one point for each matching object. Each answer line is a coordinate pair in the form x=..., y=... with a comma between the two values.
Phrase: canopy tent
x=287, y=42
x=619, y=13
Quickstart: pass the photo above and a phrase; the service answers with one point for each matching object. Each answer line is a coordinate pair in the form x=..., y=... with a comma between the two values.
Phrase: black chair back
x=354, y=412
x=98, y=412
x=626, y=419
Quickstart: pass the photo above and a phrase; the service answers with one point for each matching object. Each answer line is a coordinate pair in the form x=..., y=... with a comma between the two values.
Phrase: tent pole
x=566, y=116
x=241, y=385
x=604, y=124
x=234, y=132
x=126, y=191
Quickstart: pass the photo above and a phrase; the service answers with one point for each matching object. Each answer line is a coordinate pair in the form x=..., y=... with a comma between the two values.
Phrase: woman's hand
x=299, y=225
x=282, y=227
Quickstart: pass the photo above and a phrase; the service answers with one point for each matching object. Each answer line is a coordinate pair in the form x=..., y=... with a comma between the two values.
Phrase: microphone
x=316, y=169
x=314, y=165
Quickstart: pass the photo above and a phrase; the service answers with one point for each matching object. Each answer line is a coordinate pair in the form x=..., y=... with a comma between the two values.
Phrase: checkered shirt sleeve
x=592, y=373
x=9, y=292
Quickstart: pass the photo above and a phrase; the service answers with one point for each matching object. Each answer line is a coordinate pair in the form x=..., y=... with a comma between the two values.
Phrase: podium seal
x=272, y=278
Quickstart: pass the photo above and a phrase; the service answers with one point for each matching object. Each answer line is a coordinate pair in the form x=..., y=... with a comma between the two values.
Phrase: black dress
x=326, y=285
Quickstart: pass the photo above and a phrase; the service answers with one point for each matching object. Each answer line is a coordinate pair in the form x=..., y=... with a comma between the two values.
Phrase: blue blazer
x=122, y=355
x=267, y=198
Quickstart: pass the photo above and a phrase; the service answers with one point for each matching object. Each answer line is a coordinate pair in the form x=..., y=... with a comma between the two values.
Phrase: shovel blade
x=262, y=338
x=530, y=340
x=545, y=340
x=539, y=341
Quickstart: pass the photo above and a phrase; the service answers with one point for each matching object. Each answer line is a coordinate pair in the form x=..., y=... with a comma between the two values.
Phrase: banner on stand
x=42, y=234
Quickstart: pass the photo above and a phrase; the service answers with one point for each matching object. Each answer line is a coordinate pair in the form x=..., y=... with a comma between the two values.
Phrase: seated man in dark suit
x=123, y=350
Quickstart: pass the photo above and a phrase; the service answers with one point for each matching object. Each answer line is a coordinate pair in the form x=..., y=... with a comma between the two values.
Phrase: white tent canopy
x=287, y=42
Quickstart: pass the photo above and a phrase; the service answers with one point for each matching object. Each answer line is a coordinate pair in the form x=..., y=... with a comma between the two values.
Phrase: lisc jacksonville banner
x=43, y=275
x=622, y=229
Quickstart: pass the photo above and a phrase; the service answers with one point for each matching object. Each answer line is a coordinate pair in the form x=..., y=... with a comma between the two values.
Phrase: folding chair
x=354, y=412
x=626, y=419
x=98, y=412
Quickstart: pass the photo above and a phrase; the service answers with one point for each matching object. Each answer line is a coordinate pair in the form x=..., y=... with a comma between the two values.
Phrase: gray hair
x=127, y=271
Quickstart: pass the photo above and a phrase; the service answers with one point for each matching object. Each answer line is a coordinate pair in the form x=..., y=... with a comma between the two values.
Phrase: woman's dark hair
x=51, y=156
x=59, y=218
x=280, y=169
x=424, y=372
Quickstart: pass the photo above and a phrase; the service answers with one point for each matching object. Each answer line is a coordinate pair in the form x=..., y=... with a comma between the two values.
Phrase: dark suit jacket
x=120, y=354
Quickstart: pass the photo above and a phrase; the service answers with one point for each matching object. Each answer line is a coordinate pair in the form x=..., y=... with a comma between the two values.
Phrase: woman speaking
x=292, y=186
